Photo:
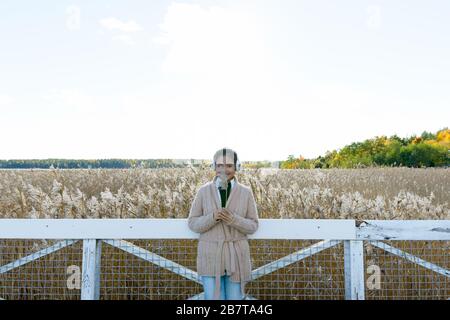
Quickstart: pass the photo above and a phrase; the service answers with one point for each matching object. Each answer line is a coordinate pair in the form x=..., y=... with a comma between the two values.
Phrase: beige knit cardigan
x=224, y=246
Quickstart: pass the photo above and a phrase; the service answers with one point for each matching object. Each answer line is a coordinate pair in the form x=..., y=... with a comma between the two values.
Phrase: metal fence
x=291, y=259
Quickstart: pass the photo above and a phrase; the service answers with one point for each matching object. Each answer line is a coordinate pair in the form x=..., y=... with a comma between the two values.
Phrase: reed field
x=369, y=193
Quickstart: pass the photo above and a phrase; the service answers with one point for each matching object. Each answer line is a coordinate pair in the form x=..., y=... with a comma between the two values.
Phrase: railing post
x=90, y=279
x=354, y=269
x=98, y=264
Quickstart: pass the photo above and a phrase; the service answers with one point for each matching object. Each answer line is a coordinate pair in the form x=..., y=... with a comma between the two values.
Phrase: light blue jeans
x=229, y=290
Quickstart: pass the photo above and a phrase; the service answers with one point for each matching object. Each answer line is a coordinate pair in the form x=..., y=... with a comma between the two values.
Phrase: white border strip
x=403, y=230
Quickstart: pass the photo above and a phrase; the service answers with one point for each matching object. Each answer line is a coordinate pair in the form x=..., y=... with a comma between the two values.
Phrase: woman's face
x=229, y=168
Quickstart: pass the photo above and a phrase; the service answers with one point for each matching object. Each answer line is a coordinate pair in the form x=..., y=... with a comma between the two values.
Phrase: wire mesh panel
x=407, y=269
x=40, y=269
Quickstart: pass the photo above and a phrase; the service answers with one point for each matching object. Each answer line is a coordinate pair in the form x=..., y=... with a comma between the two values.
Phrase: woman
x=224, y=212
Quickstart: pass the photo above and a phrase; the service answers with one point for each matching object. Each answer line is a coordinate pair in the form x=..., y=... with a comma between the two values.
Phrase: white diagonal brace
x=293, y=257
x=36, y=255
x=155, y=259
x=410, y=257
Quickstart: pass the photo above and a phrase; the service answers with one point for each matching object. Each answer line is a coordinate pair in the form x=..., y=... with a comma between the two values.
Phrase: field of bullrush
x=381, y=193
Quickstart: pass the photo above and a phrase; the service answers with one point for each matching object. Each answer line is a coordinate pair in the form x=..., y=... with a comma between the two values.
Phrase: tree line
x=88, y=164
x=427, y=150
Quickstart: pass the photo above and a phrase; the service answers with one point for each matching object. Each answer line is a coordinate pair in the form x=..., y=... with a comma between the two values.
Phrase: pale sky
x=181, y=79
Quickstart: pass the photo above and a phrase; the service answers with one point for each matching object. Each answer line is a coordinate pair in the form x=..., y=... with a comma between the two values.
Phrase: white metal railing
x=331, y=233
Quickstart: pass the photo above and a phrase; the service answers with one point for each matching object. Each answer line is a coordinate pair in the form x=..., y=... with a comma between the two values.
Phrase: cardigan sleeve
x=249, y=223
x=198, y=222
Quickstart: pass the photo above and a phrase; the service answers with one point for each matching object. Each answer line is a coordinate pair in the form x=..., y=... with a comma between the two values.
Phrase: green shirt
x=225, y=194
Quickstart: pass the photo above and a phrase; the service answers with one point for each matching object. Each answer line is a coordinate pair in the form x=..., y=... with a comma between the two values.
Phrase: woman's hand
x=216, y=215
x=224, y=215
